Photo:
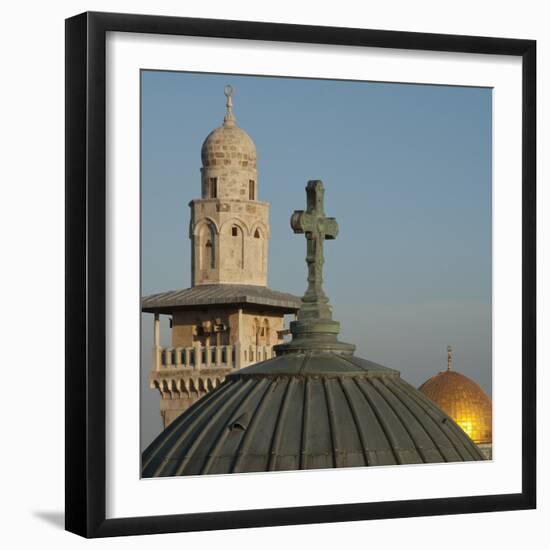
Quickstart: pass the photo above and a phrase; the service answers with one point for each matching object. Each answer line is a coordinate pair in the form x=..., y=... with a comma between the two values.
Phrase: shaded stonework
x=229, y=318
x=207, y=345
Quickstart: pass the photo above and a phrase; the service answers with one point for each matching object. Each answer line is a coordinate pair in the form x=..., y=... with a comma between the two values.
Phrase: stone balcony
x=200, y=357
x=182, y=371
x=183, y=375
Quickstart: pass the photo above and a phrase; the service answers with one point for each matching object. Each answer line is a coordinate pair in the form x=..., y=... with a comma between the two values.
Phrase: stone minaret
x=229, y=227
x=229, y=318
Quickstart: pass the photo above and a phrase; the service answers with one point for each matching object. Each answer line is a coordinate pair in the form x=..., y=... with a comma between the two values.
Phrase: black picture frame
x=86, y=274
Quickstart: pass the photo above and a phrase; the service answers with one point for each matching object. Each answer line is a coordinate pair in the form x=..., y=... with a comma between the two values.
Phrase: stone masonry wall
x=189, y=327
x=236, y=234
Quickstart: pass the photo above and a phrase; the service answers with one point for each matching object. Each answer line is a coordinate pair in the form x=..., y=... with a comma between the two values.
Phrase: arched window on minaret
x=259, y=248
x=261, y=334
x=209, y=256
x=213, y=188
x=251, y=190
x=236, y=246
x=207, y=246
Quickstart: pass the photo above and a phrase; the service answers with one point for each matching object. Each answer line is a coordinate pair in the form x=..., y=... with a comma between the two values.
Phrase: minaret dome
x=229, y=160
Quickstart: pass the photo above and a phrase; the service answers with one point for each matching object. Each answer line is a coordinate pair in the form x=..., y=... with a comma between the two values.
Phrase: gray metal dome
x=305, y=411
x=315, y=405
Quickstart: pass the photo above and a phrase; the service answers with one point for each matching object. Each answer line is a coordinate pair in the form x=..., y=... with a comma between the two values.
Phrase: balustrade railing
x=204, y=357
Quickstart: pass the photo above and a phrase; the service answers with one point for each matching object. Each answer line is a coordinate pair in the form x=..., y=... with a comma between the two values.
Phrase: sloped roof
x=219, y=294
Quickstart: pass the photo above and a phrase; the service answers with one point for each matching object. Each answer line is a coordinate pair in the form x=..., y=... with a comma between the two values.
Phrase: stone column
x=240, y=326
x=239, y=342
x=238, y=355
x=198, y=355
x=156, y=343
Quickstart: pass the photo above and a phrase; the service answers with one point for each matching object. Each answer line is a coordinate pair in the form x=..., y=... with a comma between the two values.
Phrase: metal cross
x=317, y=227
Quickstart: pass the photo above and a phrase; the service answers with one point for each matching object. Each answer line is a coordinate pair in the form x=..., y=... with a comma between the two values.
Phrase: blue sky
x=407, y=174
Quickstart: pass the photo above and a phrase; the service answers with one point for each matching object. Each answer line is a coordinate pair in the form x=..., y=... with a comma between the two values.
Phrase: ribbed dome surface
x=228, y=145
x=304, y=411
x=464, y=401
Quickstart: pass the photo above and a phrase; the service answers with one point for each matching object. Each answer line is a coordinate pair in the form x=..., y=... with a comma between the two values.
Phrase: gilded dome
x=464, y=401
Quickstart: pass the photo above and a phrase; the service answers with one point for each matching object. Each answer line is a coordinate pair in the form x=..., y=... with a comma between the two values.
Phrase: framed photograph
x=300, y=274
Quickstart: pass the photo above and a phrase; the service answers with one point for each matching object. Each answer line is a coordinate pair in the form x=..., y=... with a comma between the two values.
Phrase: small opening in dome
x=240, y=423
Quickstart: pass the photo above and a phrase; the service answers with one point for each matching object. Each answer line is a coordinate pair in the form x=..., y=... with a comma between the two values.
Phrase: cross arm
x=298, y=221
x=331, y=228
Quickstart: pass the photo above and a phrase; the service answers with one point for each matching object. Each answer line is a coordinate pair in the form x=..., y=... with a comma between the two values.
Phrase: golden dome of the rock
x=464, y=401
